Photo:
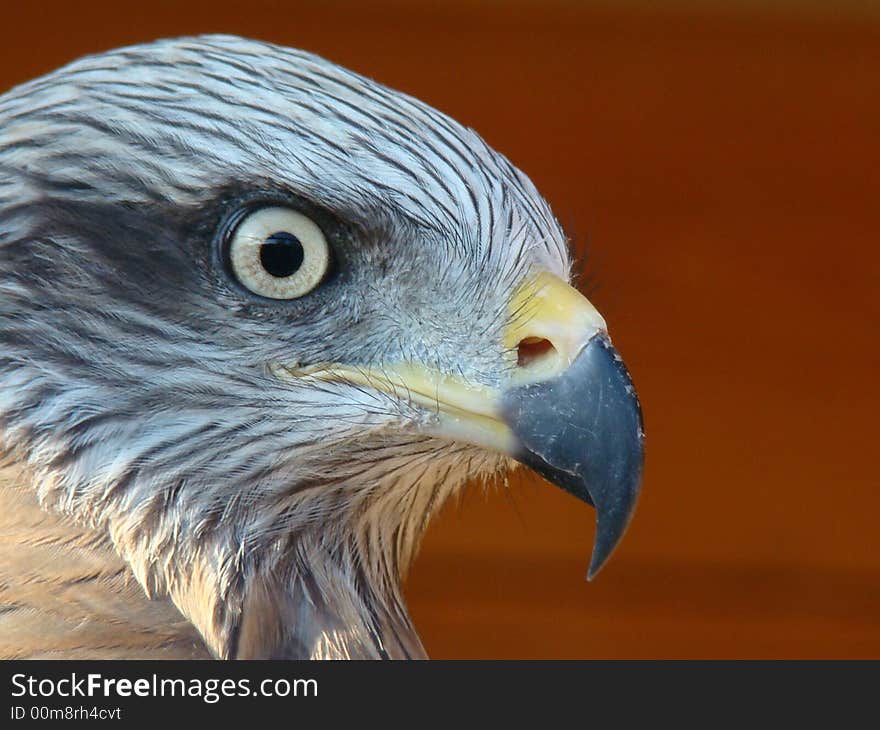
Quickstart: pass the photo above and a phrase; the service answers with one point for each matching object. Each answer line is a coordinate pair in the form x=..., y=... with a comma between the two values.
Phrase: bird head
x=260, y=317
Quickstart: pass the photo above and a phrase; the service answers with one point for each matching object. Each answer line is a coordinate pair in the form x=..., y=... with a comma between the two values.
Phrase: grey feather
x=190, y=502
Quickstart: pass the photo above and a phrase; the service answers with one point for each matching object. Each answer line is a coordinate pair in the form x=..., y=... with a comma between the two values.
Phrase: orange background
x=723, y=169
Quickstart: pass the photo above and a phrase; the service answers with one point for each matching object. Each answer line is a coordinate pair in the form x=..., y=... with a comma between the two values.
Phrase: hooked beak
x=575, y=415
x=569, y=412
x=582, y=431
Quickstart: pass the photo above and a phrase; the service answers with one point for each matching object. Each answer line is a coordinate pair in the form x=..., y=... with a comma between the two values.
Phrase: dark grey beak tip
x=582, y=430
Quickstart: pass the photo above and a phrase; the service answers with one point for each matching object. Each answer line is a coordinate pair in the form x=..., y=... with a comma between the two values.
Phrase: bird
x=260, y=317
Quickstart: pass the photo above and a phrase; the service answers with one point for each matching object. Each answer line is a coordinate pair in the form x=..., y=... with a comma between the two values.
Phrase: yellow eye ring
x=278, y=253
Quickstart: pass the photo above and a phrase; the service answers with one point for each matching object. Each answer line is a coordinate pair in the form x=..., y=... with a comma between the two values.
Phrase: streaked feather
x=175, y=476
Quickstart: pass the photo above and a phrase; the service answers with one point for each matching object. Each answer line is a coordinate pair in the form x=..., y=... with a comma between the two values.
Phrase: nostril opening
x=533, y=350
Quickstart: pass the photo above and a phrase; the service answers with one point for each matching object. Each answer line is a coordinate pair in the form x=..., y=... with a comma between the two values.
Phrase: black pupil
x=281, y=254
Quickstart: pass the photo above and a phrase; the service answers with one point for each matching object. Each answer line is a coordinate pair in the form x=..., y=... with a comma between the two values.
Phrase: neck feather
x=66, y=594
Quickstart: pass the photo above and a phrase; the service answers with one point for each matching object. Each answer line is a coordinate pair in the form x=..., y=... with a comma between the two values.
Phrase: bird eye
x=278, y=253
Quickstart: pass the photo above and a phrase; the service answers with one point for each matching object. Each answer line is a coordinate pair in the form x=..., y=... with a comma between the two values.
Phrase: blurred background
x=717, y=165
